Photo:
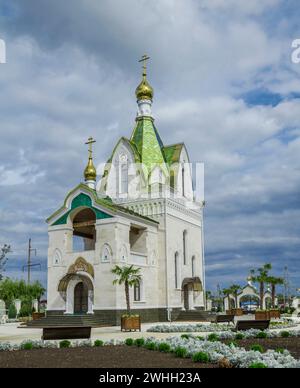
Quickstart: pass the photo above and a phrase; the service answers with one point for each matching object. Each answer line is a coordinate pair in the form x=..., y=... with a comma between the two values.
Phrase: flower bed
x=212, y=327
x=198, y=349
x=218, y=352
x=199, y=327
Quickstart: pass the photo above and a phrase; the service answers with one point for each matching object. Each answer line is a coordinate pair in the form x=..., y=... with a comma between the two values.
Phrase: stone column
x=191, y=300
x=90, y=302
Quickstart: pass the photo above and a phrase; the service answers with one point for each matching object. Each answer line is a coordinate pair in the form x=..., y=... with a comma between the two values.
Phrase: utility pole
x=286, y=287
x=29, y=265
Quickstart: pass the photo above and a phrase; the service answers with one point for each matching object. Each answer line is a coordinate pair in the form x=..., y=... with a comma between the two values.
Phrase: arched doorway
x=249, y=302
x=81, y=298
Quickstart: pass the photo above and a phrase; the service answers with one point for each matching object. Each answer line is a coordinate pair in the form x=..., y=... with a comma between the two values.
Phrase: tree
x=234, y=290
x=129, y=276
x=273, y=281
x=260, y=275
x=18, y=289
x=3, y=258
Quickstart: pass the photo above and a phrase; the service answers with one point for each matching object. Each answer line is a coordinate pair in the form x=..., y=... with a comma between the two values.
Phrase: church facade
x=141, y=212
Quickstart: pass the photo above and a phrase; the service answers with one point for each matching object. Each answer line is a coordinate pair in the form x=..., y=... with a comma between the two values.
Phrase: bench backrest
x=258, y=324
x=225, y=318
x=57, y=333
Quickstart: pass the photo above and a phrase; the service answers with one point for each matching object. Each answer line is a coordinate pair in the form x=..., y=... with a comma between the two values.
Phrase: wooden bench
x=224, y=318
x=246, y=325
x=66, y=332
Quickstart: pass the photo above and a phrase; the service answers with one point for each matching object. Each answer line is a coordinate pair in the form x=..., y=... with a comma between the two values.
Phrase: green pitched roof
x=84, y=198
x=148, y=142
x=172, y=153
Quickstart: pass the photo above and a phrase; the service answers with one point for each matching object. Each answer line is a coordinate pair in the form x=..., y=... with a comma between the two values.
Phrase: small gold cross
x=144, y=59
x=90, y=143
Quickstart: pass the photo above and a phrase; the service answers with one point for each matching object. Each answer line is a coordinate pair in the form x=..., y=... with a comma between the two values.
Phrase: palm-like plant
x=273, y=281
x=129, y=276
x=260, y=275
x=234, y=290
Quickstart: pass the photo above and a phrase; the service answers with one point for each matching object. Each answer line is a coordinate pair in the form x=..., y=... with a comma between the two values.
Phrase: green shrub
x=257, y=365
x=284, y=334
x=26, y=309
x=98, y=343
x=262, y=334
x=257, y=348
x=233, y=343
x=180, y=352
x=239, y=336
x=200, y=338
x=129, y=341
x=64, y=344
x=185, y=336
x=279, y=350
x=12, y=311
x=213, y=337
x=139, y=342
x=164, y=347
x=150, y=345
x=27, y=346
x=201, y=357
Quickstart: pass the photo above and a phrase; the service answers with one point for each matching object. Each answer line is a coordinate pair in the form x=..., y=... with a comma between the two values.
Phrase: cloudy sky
x=224, y=83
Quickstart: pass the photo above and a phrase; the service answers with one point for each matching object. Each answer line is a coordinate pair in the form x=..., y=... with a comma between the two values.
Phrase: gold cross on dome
x=144, y=59
x=90, y=144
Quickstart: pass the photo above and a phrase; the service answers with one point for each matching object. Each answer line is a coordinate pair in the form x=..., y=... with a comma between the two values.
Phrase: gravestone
x=2, y=311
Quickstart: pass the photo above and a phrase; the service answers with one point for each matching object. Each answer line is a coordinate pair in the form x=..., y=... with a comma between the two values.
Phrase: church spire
x=90, y=173
x=144, y=92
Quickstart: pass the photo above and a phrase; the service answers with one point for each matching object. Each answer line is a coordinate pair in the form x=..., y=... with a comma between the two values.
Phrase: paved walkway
x=12, y=333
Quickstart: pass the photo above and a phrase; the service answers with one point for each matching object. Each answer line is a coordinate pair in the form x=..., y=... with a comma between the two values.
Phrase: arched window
x=184, y=246
x=124, y=178
x=176, y=269
x=106, y=254
x=123, y=254
x=193, y=266
x=57, y=257
x=137, y=292
x=84, y=231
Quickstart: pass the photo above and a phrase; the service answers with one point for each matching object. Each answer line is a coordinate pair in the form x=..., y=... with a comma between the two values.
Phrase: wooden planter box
x=36, y=316
x=237, y=312
x=274, y=313
x=229, y=312
x=262, y=315
x=131, y=323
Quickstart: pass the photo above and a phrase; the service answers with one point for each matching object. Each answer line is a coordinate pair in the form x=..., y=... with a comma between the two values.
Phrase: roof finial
x=144, y=59
x=144, y=91
x=90, y=173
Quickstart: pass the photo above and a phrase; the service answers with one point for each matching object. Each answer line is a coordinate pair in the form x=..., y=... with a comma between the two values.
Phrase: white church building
x=141, y=212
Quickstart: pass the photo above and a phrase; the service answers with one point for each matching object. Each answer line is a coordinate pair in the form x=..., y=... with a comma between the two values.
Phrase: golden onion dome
x=90, y=172
x=144, y=91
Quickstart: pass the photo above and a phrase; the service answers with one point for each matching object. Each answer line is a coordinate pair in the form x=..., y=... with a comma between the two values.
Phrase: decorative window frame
x=57, y=258
x=106, y=254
